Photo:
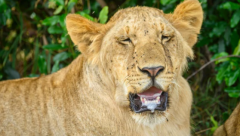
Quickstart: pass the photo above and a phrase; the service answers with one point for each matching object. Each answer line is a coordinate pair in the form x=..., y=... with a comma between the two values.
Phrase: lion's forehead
x=141, y=27
x=139, y=18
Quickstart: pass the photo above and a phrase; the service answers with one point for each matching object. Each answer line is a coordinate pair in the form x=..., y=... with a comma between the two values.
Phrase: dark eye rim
x=127, y=40
x=164, y=37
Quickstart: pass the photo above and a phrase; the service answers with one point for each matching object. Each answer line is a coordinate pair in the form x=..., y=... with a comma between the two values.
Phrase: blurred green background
x=34, y=41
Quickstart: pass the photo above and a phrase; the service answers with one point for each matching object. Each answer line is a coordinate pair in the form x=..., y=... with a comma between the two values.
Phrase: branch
x=229, y=56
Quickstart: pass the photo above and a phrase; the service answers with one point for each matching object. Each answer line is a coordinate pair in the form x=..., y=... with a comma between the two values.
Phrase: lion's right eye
x=125, y=41
x=165, y=38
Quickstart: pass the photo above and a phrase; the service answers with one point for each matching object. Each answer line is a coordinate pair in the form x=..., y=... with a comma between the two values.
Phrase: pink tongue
x=150, y=92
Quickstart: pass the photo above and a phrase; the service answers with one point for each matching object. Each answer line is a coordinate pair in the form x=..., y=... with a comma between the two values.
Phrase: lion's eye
x=127, y=40
x=165, y=38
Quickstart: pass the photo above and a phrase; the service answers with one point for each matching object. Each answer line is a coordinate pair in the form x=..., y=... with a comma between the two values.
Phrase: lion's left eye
x=127, y=40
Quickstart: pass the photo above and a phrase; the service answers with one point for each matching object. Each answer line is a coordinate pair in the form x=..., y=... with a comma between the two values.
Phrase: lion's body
x=71, y=108
x=232, y=126
x=90, y=96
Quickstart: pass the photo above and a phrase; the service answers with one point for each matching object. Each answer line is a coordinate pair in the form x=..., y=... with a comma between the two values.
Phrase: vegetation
x=34, y=41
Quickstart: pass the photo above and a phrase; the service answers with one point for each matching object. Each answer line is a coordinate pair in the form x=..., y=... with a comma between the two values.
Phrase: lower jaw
x=151, y=119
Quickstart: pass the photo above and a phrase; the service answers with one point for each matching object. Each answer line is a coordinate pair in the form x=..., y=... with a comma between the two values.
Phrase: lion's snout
x=152, y=71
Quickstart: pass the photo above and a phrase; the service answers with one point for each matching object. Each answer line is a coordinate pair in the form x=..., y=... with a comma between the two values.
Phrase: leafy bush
x=34, y=41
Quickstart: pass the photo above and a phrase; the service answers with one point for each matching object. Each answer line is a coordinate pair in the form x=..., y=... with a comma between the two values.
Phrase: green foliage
x=215, y=124
x=103, y=16
x=34, y=41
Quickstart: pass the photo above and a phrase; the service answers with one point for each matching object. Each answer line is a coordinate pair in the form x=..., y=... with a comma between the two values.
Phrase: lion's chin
x=150, y=119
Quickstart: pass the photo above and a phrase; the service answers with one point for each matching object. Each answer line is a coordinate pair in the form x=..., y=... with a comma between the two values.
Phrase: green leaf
x=55, y=29
x=62, y=21
x=71, y=4
x=233, y=91
x=237, y=49
x=221, y=72
x=33, y=75
x=50, y=20
x=54, y=47
x=215, y=124
x=222, y=54
x=42, y=64
x=233, y=77
x=103, y=16
x=230, y=6
x=85, y=15
x=61, y=56
x=55, y=67
x=164, y=2
x=60, y=2
x=218, y=29
x=58, y=10
x=235, y=18
x=1, y=76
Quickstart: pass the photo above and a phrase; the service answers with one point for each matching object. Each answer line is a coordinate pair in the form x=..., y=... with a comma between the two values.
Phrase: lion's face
x=143, y=52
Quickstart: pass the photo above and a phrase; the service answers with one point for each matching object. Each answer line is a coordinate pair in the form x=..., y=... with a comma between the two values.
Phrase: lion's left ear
x=187, y=19
x=84, y=33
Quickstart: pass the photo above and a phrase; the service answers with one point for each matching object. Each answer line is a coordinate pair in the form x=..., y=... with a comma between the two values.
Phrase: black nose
x=152, y=71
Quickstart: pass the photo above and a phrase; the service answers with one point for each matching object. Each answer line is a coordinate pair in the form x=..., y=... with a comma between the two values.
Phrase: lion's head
x=141, y=53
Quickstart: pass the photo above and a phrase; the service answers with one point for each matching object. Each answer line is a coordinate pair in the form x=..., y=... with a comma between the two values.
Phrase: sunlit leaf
x=103, y=15
x=237, y=49
x=58, y=10
x=215, y=124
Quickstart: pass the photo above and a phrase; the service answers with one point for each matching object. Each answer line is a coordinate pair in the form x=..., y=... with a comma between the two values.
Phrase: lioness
x=232, y=126
x=128, y=80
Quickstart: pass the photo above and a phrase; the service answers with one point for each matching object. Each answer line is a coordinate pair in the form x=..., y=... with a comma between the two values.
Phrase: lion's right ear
x=83, y=33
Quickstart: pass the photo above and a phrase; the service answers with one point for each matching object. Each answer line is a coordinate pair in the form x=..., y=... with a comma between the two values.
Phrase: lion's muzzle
x=149, y=100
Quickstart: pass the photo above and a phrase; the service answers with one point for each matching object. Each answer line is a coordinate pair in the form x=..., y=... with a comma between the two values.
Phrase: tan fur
x=232, y=126
x=90, y=96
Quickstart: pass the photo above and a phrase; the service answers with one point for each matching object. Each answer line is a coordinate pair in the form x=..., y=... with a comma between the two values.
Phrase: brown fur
x=90, y=96
x=232, y=126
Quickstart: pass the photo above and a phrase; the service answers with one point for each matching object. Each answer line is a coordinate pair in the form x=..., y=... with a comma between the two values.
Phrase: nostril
x=152, y=71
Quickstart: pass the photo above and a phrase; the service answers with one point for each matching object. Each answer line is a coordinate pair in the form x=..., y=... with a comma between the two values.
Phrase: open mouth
x=149, y=100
